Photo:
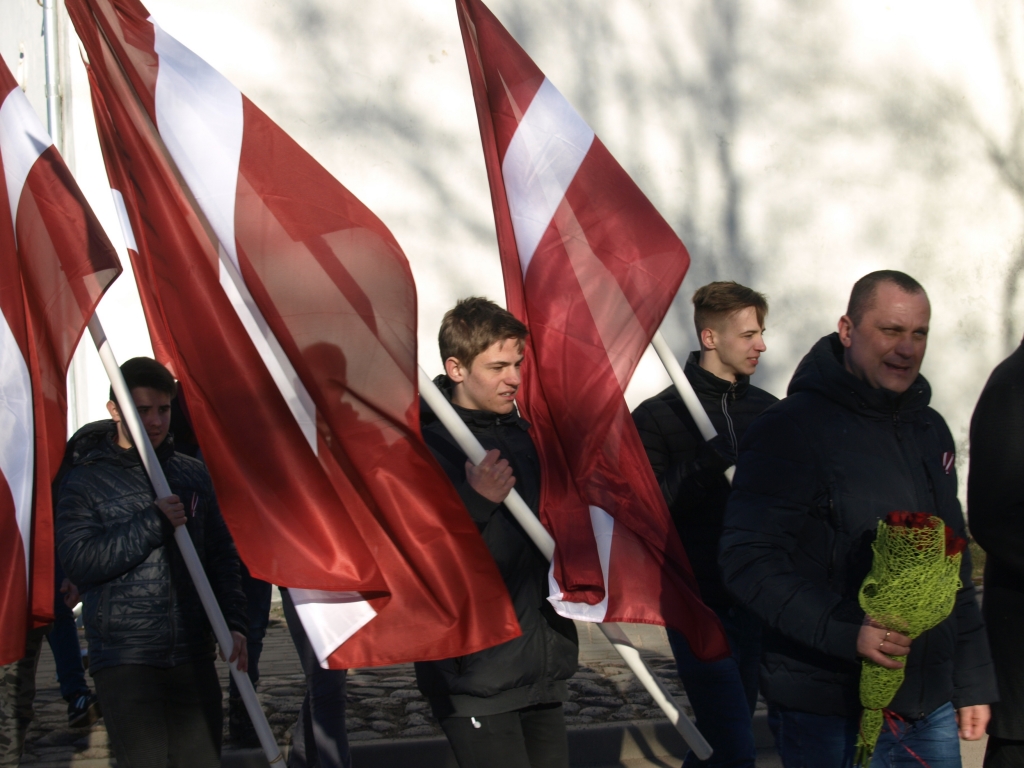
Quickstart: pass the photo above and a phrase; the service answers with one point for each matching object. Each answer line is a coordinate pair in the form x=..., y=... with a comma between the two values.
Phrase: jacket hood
x=822, y=371
x=706, y=383
x=471, y=417
x=97, y=441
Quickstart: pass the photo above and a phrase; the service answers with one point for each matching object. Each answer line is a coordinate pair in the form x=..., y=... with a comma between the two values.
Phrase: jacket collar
x=479, y=419
x=822, y=371
x=706, y=383
x=98, y=441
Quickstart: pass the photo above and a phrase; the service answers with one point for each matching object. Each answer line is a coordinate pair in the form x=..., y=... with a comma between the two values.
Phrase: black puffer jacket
x=533, y=668
x=696, y=496
x=140, y=606
x=816, y=473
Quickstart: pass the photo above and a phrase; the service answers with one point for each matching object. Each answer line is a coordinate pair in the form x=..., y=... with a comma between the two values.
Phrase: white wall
x=794, y=146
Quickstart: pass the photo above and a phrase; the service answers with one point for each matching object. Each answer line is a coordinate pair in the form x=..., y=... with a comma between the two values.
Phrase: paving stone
x=382, y=701
x=352, y=691
x=641, y=697
x=417, y=706
x=419, y=730
x=416, y=719
x=595, y=712
x=286, y=690
x=611, y=702
x=354, y=723
x=585, y=687
x=406, y=693
x=570, y=707
x=364, y=736
x=280, y=718
x=382, y=726
x=578, y=720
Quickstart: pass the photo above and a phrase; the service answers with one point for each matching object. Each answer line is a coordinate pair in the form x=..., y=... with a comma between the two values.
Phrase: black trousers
x=1004, y=753
x=533, y=737
x=159, y=717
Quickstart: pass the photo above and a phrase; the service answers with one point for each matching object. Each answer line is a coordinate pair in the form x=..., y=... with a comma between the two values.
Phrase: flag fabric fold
x=287, y=311
x=591, y=268
x=55, y=264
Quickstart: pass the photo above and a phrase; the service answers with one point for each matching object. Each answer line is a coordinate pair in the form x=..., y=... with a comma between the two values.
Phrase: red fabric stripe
x=14, y=595
x=510, y=79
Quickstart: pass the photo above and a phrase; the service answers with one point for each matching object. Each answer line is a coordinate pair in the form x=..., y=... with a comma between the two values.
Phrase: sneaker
x=84, y=710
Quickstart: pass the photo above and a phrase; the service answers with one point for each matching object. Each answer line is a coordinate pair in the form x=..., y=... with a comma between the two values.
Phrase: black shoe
x=241, y=731
x=83, y=710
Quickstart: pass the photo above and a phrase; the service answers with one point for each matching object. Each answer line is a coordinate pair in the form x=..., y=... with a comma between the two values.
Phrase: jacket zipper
x=728, y=420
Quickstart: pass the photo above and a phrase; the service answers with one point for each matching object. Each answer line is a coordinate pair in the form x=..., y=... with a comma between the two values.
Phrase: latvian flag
x=591, y=268
x=55, y=264
x=288, y=312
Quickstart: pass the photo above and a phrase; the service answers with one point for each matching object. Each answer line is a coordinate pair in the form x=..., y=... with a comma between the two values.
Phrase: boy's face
x=155, y=410
x=491, y=382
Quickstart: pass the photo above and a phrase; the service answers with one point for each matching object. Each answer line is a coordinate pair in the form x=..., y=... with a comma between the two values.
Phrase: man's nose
x=905, y=346
x=514, y=378
x=760, y=346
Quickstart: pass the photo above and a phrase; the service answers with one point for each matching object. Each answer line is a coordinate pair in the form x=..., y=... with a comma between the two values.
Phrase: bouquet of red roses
x=911, y=588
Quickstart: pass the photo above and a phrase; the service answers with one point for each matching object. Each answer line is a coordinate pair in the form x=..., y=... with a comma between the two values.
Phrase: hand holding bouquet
x=911, y=588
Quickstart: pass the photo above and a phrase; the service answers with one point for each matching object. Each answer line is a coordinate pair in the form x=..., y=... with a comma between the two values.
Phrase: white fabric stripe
x=126, y=224
x=280, y=368
x=542, y=159
x=330, y=618
x=17, y=444
x=604, y=529
x=199, y=116
x=22, y=140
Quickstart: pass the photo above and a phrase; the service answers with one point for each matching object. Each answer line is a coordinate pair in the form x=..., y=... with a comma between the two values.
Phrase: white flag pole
x=188, y=549
x=685, y=390
x=542, y=539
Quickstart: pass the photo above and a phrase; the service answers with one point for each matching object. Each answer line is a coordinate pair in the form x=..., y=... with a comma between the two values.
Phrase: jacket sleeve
x=92, y=552
x=777, y=486
x=453, y=462
x=683, y=481
x=995, y=485
x=223, y=567
x=974, y=677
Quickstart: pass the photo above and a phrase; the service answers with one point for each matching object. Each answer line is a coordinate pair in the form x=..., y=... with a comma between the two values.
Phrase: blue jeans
x=319, y=739
x=257, y=596
x=822, y=741
x=723, y=693
x=63, y=639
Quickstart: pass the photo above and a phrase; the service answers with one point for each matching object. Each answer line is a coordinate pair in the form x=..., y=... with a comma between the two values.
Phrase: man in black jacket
x=853, y=441
x=995, y=507
x=500, y=707
x=730, y=322
x=151, y=650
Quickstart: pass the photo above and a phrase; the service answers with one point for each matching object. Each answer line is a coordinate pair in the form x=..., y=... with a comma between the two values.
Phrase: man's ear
x=112, y=410
x=845, y=329
x=454, y=369
x=707, y=339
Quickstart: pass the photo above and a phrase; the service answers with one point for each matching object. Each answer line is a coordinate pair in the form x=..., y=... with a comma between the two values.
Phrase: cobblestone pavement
x=382, y=702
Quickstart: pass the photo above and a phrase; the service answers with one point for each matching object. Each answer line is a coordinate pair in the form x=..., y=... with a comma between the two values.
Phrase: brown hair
x=862, y=297
x=473, y=325
x=714, y=302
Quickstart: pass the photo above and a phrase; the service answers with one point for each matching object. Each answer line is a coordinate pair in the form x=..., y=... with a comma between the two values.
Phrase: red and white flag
x=591, y=268
x=288, y=312
x=55, y=264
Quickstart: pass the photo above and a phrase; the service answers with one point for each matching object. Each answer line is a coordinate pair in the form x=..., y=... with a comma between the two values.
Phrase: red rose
x=954, y=544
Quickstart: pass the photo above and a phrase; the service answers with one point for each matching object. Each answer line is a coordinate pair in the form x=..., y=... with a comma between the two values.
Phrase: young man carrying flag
x=500, y=707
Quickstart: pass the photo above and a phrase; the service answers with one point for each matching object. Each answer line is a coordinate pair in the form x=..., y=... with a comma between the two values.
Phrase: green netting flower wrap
x=911, y=588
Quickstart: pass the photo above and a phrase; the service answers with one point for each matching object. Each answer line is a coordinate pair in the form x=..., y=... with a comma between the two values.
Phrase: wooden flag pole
x=181, y=536
x=542, y=539
x=685, y=390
